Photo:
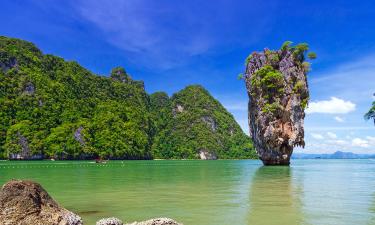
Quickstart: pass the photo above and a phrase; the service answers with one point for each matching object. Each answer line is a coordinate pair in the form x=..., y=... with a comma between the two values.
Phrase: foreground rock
x=27, y=203
x=278, y=94
x=157, y=221
x=109, y=221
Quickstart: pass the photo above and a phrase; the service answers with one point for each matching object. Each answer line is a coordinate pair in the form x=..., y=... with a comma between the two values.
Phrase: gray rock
x=156, y=221
x=276, y=132
x=78, y=136
x=109, y=221
x=29, y=88
x=207, y=155
x=210, y=122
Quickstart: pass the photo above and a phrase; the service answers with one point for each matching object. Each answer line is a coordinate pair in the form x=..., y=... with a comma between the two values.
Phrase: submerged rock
x=109, y=221
x=157, y=221
x=278, y=94
x=27, y=203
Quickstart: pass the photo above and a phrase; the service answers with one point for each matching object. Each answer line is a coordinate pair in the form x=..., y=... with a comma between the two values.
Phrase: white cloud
x=331, y=135
x=358, y=142
x=339, y=119
x=317, y=136
x=332, y=106
x=371, y=141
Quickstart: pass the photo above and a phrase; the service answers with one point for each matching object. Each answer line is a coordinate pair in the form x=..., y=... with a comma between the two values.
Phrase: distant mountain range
x=336, y=155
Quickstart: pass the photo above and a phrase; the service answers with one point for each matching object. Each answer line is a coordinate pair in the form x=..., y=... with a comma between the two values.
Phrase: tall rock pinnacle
x=278, y=95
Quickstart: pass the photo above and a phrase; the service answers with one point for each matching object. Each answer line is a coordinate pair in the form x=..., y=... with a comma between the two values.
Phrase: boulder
x=27, y=203
x=110, y=221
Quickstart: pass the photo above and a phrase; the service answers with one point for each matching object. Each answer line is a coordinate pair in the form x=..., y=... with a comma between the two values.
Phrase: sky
x=172, y=44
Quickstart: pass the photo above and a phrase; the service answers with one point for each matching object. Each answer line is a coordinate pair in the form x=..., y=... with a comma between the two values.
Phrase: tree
x=371, y=113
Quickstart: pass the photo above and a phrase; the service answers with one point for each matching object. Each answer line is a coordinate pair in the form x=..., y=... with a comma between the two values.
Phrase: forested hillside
x=52, y=108
x=193, y=120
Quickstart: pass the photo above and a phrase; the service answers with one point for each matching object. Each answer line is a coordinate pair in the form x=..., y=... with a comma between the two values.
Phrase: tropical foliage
x=52, y=108
x=371, y=113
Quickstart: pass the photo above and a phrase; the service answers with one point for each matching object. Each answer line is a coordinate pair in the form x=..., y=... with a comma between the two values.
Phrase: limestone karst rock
x=27, y=203
x=278, y=94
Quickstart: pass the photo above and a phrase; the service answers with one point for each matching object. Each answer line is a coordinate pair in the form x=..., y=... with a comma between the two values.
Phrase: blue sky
x=171, y=44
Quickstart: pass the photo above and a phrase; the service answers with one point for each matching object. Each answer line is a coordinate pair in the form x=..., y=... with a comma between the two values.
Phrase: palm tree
x=371, y=113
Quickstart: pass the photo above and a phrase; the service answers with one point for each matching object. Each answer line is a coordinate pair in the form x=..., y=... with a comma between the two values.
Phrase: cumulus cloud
x=317, y=136
x=332, y=106
x=358, y=142
x=339, y=119
x=331, y=135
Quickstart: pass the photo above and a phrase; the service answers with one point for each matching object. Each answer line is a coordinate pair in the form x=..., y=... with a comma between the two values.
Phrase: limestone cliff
x=278, y=94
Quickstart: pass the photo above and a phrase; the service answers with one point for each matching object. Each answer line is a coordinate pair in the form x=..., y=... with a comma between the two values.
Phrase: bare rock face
x=207, y=155
x=78, y=136
x=27, y=203
x=278, y=94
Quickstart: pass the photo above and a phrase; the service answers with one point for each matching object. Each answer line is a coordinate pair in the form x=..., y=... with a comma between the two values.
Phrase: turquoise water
x=226, y=192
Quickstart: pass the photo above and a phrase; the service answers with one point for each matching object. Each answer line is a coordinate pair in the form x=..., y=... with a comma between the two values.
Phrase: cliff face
x=278, y=94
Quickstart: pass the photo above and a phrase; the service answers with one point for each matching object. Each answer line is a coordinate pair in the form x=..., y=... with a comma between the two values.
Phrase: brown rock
x=278, y=93
x=27, y=203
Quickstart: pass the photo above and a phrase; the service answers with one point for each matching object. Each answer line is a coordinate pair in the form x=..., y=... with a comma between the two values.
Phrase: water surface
x=223, y=192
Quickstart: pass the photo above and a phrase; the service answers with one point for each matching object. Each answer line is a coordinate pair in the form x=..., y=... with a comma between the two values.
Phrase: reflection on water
x=274, y=198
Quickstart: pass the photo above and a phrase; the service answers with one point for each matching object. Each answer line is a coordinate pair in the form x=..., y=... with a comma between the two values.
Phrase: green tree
x=371, y=113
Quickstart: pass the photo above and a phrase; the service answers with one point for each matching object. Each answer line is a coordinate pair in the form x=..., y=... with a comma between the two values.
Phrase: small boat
x=99, y=160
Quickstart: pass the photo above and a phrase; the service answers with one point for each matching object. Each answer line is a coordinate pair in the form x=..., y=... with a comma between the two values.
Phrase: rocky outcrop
x=25, y=149
x=78, y=136
x=8, y=62
x=157, y=221
x=109, y=221
x=207, y=155
x=29, y=88
x=278, y=94
x=27, y=203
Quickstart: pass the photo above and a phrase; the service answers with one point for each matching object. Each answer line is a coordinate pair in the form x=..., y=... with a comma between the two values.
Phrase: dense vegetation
x=270, y=80
x=193, y=120
x=52, y=108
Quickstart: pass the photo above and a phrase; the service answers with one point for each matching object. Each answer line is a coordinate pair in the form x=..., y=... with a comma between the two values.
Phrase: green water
x=210, y=192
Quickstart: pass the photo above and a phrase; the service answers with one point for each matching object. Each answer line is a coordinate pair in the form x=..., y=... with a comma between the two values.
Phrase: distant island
x=52, y=108
x=335, y=155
